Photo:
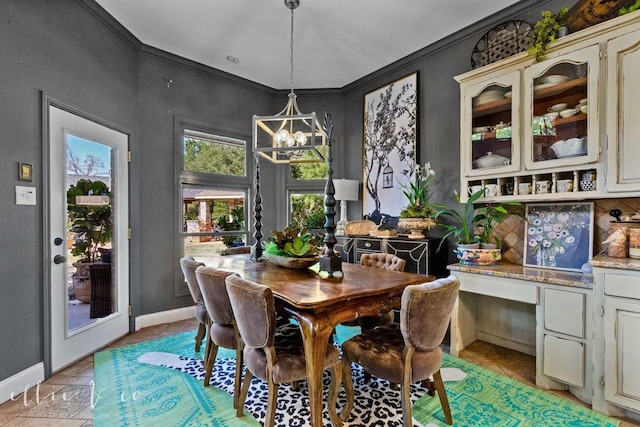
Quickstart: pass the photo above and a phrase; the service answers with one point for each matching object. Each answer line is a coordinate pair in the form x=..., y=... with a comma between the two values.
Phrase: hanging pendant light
x=289, y=136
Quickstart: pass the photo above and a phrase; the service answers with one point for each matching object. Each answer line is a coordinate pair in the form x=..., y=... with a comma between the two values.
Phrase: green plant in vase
x=546, y=31
x=460, y=225
x=292, y=247
x=416, y=216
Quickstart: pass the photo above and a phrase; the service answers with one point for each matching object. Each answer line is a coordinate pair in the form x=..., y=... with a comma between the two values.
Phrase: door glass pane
x=560, y=117
x=213, y=220
x=91, y=288
x=491, y=132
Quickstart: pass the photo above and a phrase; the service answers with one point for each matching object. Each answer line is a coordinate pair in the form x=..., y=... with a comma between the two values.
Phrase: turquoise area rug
x=159, y=383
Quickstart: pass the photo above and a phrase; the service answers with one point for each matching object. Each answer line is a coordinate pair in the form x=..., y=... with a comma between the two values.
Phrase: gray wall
x=71, y=51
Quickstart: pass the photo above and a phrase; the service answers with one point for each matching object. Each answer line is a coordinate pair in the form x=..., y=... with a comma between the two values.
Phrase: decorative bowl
x=555, y=79
x=570, y=148
x=291, y=262
x=490, y=160
x=558, y=107
x=478, y=256
x=587, y=185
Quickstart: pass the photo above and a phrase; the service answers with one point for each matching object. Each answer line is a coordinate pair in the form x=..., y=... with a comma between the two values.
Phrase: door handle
x=59, y=259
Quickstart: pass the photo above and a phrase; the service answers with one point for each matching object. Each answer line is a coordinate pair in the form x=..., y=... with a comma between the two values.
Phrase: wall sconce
x=346, y=190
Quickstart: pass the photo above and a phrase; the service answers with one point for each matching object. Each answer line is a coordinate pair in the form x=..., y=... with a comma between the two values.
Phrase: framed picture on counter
x=558, y=235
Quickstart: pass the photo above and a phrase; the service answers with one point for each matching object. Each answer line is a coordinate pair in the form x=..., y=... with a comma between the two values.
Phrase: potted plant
x=89, y=217
x=293, y=248
x=473, y=228
x=550, y=27
x=416, y=216
x=236, y=223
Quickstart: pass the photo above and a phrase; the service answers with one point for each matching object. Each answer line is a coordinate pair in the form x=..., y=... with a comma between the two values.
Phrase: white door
x=86, y=316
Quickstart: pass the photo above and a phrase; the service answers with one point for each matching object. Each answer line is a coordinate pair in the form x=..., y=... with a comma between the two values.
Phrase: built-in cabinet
x=539, y=131
x=535, y=311
x=618, y=350
x=420, y=255
x=623, y=126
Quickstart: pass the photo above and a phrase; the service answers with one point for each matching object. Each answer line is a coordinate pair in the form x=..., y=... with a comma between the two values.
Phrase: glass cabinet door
x=490, y=126
x=560, y=105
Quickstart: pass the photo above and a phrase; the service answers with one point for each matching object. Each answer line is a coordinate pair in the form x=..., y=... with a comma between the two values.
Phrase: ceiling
x=335, y=42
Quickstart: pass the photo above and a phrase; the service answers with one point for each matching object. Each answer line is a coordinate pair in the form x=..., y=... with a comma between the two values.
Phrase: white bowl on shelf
x=490, y=160
x=568, y=113
x=558, y=107
x=555, y=79
x=571, y=147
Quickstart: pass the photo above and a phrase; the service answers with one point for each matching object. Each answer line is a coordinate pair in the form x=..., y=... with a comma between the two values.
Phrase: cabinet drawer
x=564, y=312
x=368, y=245
x=622, y=285
x=564, y=360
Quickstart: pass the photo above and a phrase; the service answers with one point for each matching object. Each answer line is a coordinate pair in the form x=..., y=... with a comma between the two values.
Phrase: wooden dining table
x=319, y=305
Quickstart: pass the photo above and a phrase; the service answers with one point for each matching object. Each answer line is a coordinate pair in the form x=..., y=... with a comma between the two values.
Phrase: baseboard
x=168, y=316
x=18, y=383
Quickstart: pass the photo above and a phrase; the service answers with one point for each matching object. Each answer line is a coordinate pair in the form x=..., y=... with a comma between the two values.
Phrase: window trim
x=226, y=182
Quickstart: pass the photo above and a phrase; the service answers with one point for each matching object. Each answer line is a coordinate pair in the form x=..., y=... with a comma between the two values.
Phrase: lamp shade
x=346, y=189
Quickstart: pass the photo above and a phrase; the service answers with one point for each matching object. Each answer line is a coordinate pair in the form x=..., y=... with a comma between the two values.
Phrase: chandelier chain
x=291, y=57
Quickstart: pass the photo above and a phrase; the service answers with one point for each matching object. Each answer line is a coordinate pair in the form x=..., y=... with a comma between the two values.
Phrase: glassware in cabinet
x=561, y=99
x=491, y=125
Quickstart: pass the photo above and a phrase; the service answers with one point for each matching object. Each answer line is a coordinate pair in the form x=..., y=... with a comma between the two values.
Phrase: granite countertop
x=609, y=262
x=517, y=271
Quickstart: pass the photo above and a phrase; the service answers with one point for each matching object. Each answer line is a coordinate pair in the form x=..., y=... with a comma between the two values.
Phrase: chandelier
x=289, y=136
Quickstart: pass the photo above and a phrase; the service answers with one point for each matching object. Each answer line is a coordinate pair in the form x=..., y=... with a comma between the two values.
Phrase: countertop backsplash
x=512, y=230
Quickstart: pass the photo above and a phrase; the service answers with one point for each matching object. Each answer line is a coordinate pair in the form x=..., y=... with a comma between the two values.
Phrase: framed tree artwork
x=390, y=143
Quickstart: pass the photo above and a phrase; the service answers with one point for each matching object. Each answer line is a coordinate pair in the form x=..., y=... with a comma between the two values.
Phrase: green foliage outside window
x=202, y=155
x=315, y=170
x=307, y=211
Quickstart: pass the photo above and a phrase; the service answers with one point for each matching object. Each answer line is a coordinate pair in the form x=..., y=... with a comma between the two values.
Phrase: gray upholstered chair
x=222, y=328
x=384, y=262
x=189, y=266
x=406, y=352
x=274, y=354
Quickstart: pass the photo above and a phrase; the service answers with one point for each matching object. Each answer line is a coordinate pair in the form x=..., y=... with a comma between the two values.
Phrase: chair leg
x=202, y=331
x=209, y=359
x=407, y=418
x=345, y=366
x=248, y=376
x=336, y=381
x=271, y=404
x=238, y=378
x=437, y=379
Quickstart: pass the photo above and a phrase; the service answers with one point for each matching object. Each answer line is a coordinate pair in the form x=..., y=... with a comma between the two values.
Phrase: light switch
x=25, y=195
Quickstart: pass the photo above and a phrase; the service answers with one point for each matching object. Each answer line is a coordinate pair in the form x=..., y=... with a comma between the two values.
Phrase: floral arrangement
x=417, y=193
x=292, y=242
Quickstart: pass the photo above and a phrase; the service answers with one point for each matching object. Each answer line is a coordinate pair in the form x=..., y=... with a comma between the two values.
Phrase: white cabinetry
x=623, y=126
x=508, y=137
x=619, y=295
x=566, y=347
x=552, y=321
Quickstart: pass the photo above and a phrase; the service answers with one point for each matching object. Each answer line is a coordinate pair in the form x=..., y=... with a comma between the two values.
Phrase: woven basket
x=501, y=42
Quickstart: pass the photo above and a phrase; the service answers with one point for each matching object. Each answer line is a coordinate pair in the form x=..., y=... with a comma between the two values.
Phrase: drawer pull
x=367, y=244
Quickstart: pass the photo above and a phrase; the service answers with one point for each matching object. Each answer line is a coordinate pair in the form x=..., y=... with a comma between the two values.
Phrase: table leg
x=315, y=334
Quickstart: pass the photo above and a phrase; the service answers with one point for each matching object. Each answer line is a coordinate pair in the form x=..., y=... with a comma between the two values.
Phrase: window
x=214, y=187
x=307, y=210
x=214, y=154
x=306, y=171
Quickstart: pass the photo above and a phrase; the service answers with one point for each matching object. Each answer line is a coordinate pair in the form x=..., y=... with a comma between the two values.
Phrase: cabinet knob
x=367, y=244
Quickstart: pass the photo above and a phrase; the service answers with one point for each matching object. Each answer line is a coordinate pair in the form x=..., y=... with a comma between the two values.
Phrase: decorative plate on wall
x=501, y=42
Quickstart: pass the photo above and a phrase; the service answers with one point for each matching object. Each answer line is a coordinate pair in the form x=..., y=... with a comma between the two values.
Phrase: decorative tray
x=360, y=228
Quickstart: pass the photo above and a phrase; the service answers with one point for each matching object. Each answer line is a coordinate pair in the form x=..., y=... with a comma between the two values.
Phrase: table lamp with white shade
x=346, y=190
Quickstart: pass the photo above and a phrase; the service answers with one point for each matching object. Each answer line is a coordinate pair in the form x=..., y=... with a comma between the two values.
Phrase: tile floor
x=64, y=400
